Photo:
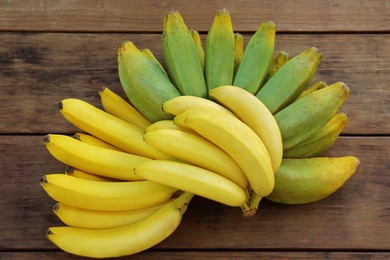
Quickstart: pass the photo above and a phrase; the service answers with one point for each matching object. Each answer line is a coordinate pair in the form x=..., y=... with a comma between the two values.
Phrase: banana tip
x=46, y=139
x=60, y=105
x=56, y=207
x=43, y=180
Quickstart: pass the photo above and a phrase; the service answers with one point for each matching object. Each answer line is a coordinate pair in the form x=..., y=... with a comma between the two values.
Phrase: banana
x=197, y=151
x=93, y=159
x=196, y=180
x=256, y=115
x=145, y=84
x=198, y=43
x=320, y=141
x=150, y=54
x=238, y=51
x=167, y=124
x=110, y=196
x=290, y=80
x=219, y=57
x=181, y=57
x=307, y=115
x=126, y=240
x=178, y=105
x=307, y=180
x=99, y=219
x=277, y=62
x=90, y=139
x=237, y=140
x=69, y=170
x=257, y=57
x=107, y=127
x=316, y=86
x=117, y=106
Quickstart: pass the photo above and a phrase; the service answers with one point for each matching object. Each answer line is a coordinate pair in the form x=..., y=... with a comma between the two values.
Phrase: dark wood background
x=50, y=50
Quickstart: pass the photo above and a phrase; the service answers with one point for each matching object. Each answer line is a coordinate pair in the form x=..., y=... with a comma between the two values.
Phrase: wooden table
x=50, y=50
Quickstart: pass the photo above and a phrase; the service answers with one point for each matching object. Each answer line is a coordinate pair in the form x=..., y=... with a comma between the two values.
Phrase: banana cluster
x=229, y=124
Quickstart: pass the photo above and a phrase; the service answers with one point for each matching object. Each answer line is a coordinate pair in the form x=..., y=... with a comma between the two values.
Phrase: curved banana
x=99, y=219
x=198, y=151
x=320, y=141
x=90, y=139
x=256, y=115
x=110, y=196
x=117, y=106
x=181, y=57
x=238, y=51
x=196, y=180
x=167, y=124
x=69, y=170
x=307, y=180
x=107, y=127
x=219, y=57
x=237, y=140
x=121, y=241
x=198, y=43
x=93, y=159
x=277, y=62
x=257, y=57
x=290, y=80
x=150, y=54
x=307, y=115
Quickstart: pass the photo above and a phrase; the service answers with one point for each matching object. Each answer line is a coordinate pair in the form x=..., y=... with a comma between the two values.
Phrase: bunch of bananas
x=232, y=125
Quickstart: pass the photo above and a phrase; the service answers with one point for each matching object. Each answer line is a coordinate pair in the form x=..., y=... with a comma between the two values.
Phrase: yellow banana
x=181, y=57
x=99, y=219
x=198, y=151
x=198, y=43
x=316, y=86
x=121, y=241
x=150, y=54
x=219, y=57
x=257, y=57
x=256, y=115
x=320, y=141
x=238, y=51
x=168, y=124
x=107, y=127
x=85, y=175
x=307, y=180
x=90, y=139
x=117, y=106
x=93, y=159
x=110, y=196
x=237, y=140
x=196, y=180
x=277, y=62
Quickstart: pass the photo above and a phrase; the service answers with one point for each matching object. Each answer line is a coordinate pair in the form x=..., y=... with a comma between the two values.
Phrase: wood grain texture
x=147, y=15
x=38, y=70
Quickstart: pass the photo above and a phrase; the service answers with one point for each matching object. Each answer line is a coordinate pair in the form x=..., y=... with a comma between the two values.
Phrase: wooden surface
x=50, y=50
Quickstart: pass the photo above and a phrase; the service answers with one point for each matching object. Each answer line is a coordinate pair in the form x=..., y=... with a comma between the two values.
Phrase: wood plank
x=356, y=217
x=147, y=15
x=40, y=69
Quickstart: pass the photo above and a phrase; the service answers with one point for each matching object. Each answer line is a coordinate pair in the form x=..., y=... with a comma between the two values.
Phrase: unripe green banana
x=150, y=54
x=145, y=84
x=219, y=59
x=290, y=80
x=307, y=115
x=316, y=86
x=198, y=43
x=301, y=181
x=181, y=57
x=238, y=51
x=277, y=62
x=321, y=141
x=257, y=57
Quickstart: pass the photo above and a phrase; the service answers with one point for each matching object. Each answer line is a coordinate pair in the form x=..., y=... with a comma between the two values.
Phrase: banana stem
x=249, y=210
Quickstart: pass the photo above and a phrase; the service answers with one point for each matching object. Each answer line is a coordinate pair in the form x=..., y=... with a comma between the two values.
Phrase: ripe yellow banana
x=168, y=124
x=198, y=43
x=277, y=62
x=110, y=196
x=117, y=106
x=196, y=150
x=93, y=159
x=107, y=127
x=256, y=115
x=145, y=84
x=290, y=80
x=126, y=240
x=316, y=86
x=307, y=115
x=90, y=139
x=320, y=141
x=181, y=57
x=237, y=140
x=219, y=57
x=257, y=57
x=307, y=180
x=238, y=51
x=99, y=219
x=196, y=180
x=85, y=175
x=150, y=54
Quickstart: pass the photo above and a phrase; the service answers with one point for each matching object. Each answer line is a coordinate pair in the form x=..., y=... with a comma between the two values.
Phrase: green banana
x=290, y=80
x=307, y=115
x=150, y=54
x=219, y=59
x=300, y=181
x=321, y=141
x=238, y=51
x=144, y=83
x=198, y=43
x=277, y=62
x=316, y=86
x=257, y=57
x=181, y=57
